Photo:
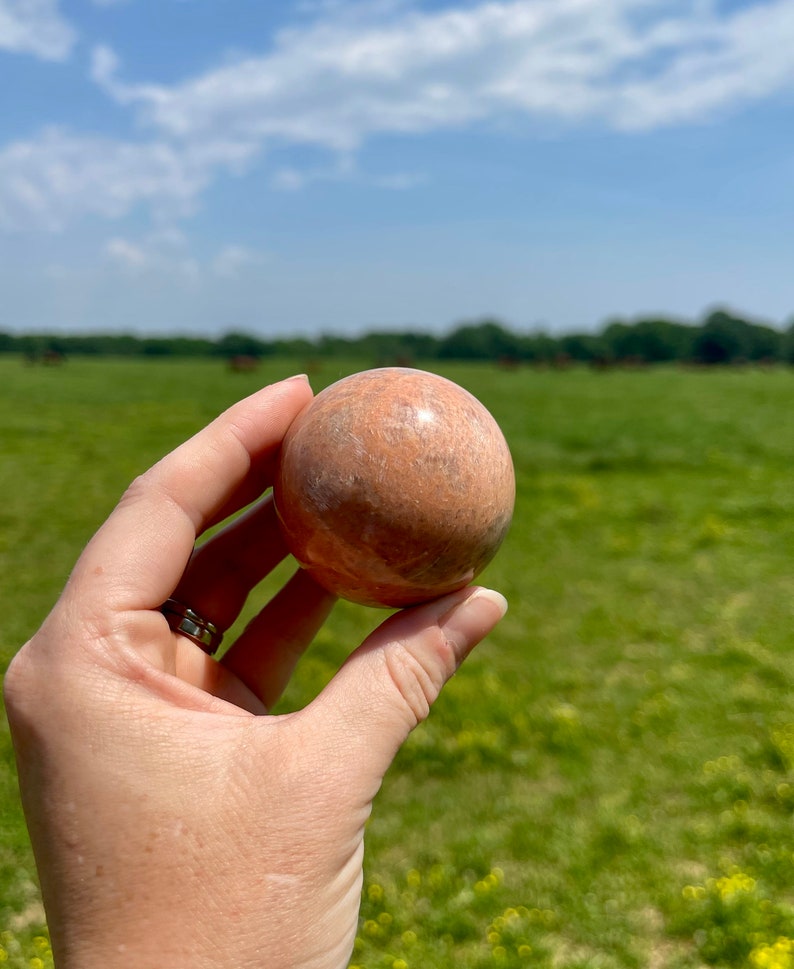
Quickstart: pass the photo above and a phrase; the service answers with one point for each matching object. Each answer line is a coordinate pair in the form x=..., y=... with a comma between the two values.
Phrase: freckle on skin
x=99, y=570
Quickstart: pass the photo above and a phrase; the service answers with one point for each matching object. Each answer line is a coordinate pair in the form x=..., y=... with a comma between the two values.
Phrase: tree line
x=720, y=338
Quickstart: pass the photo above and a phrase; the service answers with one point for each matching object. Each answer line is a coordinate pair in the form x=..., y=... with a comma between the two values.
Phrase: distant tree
x=721, y=338
x=188, y=346
x=294, y=347
x=649, y=340
x=538, y=347
x=33, y=345
x=583, y=347
x=764, y=343
x=241, y=345
x=724, y=338
x=483, y=340
x=396, y=347
x=105, y=344
x=330, y=345
x=787, y=343
x=157, y=347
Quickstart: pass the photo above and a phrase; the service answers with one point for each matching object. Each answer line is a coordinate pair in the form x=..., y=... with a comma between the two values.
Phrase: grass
x=609, y=781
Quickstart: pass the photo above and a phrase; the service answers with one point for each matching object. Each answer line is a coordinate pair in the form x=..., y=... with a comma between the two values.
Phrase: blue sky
x=194, y=166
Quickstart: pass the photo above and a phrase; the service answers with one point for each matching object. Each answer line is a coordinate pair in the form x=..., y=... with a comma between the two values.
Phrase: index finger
x=137, y=557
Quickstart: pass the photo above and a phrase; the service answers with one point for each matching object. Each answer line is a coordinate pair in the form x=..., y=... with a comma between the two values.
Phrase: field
x=609, y=780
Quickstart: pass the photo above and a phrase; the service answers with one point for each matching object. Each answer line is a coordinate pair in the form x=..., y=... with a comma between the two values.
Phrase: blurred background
x=323, y=165
x=581, y=211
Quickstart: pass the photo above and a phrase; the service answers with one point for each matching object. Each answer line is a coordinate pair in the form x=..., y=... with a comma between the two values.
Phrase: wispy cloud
x=126, y=254
x=353, y=71
x=35, y=27
x=627, y=64
x=162, y=254
x=165, y=252
x=401, y=181
x=60, y=175
x=291, y=179
x=232, y=261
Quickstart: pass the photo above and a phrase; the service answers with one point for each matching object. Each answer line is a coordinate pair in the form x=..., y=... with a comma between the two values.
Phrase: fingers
x=223, y=570
x=266, y=654
x=195, y=667
x=389, y=684
x=138, y=556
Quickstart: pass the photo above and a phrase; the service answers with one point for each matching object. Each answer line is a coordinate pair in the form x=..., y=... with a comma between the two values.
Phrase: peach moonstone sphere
x=394, y=486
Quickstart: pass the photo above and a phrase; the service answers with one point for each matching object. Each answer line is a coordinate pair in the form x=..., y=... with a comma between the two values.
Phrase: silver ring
x=182, y=619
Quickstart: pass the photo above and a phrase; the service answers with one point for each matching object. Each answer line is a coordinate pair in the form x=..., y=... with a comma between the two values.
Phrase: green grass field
x=609, y=780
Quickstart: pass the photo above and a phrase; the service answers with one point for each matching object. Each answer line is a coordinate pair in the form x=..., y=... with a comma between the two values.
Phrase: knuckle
x=419, y=675
x=21, y=684
x=140, y=490
x=138, y=487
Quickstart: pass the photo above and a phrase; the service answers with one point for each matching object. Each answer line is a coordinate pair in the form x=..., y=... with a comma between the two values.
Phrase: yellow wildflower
x=731, y=885
x=779, y=955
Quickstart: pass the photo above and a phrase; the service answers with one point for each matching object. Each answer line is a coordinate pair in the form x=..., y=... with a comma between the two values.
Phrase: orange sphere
x=394, y=486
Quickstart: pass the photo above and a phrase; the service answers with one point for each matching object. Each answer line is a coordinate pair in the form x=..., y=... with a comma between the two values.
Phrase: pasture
x=608, y=782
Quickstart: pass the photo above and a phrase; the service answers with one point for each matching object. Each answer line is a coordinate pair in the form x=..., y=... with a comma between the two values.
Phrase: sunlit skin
x=174, y=822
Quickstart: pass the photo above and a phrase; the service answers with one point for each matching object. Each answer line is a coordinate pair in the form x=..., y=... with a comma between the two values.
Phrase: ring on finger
x=186, y=621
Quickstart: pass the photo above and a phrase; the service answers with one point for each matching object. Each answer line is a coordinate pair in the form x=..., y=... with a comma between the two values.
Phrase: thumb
x=387, y=686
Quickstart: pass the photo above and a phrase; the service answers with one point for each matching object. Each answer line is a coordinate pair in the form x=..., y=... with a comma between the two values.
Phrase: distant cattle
x=243, y=363
x=50, y=358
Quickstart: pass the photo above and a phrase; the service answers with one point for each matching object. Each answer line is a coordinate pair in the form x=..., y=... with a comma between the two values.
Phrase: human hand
x=173, y=823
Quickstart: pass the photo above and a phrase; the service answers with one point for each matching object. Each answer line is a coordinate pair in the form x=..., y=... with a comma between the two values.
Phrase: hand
x=173, y=824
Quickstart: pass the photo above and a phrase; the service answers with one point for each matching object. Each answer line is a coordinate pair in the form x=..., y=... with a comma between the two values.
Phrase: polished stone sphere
x=394, y=486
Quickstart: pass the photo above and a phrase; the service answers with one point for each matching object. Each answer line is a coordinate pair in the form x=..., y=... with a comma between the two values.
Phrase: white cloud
x=291, y=179
x=232, y=261
x=168, y=238
x=623, y=63
x=104, y=64
x=401, y=181
x=35, y=27
x=162, y=253
x=359, y=70
x=165, y=252
x=126, y=254
x=48, y=181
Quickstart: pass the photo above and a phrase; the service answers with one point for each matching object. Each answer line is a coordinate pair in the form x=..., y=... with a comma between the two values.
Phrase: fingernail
x=469, y=621
x=299, y=376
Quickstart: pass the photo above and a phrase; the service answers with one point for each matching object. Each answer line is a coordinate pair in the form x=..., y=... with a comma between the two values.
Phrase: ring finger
x=223, y=570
